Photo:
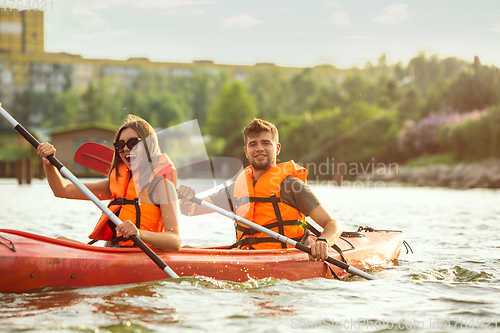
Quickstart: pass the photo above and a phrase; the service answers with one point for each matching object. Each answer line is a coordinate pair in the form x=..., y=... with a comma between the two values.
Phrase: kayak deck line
x=47, y=262
x=11, y=247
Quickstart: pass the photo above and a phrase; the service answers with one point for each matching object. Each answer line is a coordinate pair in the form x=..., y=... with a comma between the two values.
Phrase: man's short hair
x=257, y=126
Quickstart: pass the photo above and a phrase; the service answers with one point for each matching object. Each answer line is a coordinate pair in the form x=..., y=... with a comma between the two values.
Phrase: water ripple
x=454, y=274
x=454, y=271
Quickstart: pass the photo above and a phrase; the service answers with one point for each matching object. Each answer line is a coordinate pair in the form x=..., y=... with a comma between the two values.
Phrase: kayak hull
x=40, y=262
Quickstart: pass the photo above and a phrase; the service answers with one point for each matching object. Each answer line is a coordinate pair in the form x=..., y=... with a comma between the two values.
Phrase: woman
x=141, y=185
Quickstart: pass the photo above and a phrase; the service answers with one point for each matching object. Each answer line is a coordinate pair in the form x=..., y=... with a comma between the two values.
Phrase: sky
x=288, y=33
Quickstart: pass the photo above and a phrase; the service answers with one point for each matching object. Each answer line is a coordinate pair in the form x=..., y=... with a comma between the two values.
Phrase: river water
x=451, y=282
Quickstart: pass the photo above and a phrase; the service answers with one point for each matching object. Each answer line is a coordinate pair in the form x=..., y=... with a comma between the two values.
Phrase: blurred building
x=25, y=66
x=21, y=32
x=68, y=139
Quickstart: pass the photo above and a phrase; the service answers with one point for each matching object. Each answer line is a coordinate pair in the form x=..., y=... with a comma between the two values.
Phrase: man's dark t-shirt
x=293, y=192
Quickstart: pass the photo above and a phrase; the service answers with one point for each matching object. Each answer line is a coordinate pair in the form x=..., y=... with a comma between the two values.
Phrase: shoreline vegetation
x=485, y=174
x=427, y=112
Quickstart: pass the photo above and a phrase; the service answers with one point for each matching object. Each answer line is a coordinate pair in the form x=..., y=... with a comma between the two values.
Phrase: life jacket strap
x=226, y=188
x=247, y=199
x=162, y=174
x=252, y=240
x=280, y=224
x=281, y=229
x=249, y=231
x=271, y=199
x=121, y=202
x=116, y=240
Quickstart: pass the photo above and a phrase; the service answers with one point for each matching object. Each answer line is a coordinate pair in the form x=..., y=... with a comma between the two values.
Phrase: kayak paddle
x=98, y=156
x=66, y=173
x=280, y=237
x=96, y=165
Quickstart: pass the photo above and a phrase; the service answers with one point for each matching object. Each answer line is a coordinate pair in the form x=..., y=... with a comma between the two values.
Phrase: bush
x=430, y=135
x=473, y=137
x=359, y=134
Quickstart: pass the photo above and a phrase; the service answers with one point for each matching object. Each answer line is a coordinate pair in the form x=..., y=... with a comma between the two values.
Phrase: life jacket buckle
x=250, y=241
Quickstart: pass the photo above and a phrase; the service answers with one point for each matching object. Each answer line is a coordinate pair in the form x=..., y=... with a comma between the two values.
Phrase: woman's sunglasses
x=131, y=143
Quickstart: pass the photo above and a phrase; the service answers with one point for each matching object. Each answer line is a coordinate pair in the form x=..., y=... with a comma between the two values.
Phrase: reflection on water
x=270, y=308
x=118, y=304
x=136, y=304
x=31, y=304
x=454, y=271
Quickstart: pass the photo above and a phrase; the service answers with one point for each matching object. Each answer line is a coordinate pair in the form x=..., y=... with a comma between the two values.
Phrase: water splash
x=454, y=274
x=207, y=282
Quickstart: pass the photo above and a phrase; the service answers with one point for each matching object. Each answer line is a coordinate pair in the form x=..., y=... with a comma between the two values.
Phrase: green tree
x=436, y=99
x=475, y=88
x=271, y=91
x=303, y=85
x=232, y=111
x=112, y=96
x=136, y=103
x=410, y=105
x=165, y=109
x=203, y=88
x=356, y=89
x=65, y=110
x=462, y=87
x=31, y=108
x=359, y=133
x=92, y=105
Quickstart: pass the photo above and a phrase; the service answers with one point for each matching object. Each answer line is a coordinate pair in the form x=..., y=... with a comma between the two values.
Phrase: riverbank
x=481, y=175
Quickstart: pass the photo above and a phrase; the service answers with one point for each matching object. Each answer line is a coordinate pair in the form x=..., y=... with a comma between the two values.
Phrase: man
x=274, y=196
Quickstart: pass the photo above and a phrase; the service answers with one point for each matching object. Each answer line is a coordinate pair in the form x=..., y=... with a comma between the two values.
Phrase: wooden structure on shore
x=66, y=139
x=17, y=158
x=24, y=169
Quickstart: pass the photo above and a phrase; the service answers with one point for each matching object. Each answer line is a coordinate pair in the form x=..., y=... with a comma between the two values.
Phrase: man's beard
x=262, y=166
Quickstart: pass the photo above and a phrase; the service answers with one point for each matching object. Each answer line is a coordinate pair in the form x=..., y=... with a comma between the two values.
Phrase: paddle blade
x=95, y=156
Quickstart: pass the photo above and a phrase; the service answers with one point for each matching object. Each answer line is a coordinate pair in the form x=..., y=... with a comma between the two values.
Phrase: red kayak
x=29, y=261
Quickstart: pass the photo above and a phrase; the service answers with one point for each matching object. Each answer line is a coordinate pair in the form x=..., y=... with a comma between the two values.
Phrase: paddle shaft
x=66, y=173
x=280, y=238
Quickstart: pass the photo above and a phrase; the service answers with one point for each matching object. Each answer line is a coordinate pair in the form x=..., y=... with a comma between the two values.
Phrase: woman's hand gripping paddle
x=66, y=173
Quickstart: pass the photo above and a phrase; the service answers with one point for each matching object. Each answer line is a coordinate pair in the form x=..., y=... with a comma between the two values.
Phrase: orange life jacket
x=126, y=204
x=262, y=204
